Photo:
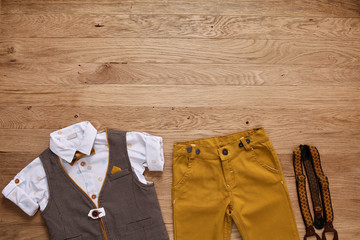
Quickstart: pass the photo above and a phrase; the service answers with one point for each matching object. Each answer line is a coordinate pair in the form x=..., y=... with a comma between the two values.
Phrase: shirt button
x=95, y=213
x=153, y=161
x=225, y=151
x=17, y=181
x=228, y=185
x=82, y=163
x=89, y=167
x=93, y=196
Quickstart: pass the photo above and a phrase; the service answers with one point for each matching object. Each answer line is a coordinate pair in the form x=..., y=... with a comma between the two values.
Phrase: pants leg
x=261, y=202
x=200, y=200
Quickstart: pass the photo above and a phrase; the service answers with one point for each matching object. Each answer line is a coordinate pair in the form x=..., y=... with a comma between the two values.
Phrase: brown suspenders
x=309, y=157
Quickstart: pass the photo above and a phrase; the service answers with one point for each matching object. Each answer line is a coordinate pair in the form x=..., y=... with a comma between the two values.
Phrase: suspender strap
x=314, y=187
x=325, y=193
x=319, y=189
x=302, y=196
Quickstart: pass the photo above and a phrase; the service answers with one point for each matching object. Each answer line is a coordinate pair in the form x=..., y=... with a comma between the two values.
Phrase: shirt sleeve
x=29, y=189
x=145, y=150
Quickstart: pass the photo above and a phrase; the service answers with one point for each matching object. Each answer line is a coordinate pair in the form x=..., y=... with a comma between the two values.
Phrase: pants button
x=225, y=151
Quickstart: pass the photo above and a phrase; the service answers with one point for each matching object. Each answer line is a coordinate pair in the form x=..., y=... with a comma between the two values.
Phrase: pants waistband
x=213, y=147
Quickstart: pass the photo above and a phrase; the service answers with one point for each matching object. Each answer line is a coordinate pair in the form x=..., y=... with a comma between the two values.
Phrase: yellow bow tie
x=79, y=155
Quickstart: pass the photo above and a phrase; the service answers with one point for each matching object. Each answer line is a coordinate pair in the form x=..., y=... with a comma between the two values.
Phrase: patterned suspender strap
x=325, y=193
x=314, y=186
x=302, y=196
x=319, y=186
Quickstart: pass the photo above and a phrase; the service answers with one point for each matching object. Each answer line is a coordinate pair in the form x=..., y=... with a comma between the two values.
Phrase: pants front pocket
x=182, y=169
x=266, y=157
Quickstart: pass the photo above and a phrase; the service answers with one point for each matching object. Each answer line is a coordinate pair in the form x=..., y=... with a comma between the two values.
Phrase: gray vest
x=131, y=207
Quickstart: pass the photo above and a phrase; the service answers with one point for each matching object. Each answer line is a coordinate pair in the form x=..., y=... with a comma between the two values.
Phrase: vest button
x=95, y=213
x=82, y=163
x=93, y=196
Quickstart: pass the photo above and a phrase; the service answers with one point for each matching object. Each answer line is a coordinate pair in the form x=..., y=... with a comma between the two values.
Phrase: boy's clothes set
x=90, y=185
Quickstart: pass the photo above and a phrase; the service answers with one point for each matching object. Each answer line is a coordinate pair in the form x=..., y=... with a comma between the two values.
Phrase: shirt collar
x=78, y=137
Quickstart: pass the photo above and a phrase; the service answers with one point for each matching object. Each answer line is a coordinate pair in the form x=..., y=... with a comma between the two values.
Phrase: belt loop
x=246, y=143
x=191, y=151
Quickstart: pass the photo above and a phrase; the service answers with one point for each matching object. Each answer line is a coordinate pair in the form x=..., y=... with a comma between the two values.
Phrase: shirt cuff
x=154, y=153
x=19, y=197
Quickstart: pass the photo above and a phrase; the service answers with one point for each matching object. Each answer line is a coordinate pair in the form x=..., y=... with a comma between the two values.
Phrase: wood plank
x=178, y=96
x=177, y=74
x=134, y=50
x=179, y=26
x=326, y=8
x=283, y=139
x=183, y=118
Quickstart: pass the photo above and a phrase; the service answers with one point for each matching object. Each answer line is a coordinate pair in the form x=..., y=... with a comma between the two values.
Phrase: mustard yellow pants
x=234, y=177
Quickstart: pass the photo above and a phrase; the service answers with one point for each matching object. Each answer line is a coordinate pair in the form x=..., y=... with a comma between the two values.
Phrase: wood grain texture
x=194, y=51
x=182, y=118
x=179, y=26
x=184, y=69
x=177, y=74
x=333, y=8
x=177, y=96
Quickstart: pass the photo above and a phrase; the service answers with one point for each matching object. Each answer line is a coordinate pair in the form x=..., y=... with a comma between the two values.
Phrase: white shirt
x=29, y=189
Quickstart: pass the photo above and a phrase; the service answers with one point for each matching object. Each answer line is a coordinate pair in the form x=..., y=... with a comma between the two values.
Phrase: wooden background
x=184, y=70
